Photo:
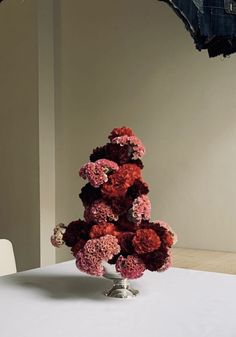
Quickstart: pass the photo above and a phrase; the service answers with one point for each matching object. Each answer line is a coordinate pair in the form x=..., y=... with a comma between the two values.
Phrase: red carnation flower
x=160, y=231
x=102, y=229
x=146, y=241
x=120, y=181
x=168, y=239
x=117, y=132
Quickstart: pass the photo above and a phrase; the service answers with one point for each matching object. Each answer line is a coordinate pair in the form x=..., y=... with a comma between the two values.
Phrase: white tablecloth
x=60, y=301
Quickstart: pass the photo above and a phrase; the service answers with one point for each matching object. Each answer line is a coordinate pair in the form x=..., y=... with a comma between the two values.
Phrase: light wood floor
x=221, y=262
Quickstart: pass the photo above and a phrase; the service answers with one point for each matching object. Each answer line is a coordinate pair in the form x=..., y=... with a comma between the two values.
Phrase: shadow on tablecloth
x=63, y=286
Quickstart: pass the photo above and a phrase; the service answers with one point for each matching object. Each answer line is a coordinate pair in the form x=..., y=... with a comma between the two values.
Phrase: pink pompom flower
x=141, y=209
x=89, y=264
x=97, y=173
x=57, y=237
x=130, y=267
x=137, y=147
x=99, y=212
x=95, y=251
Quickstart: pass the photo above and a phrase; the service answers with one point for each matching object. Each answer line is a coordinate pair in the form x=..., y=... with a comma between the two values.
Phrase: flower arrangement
x=117, y=228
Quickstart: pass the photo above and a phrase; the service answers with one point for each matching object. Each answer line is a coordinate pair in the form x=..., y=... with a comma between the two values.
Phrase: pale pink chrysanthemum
x=97, y=173
x=99, y=212
x=57, y=237
x=94, y=173
x=95, y=251
x=141, y=209
x=104, y=247
x=130, y=267
x=89, y=264
x=138, y=149
x=107, y=165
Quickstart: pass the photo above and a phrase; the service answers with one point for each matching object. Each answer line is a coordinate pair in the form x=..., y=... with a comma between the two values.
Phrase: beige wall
x=19, y=162
x=132, y=63
x=116, y=63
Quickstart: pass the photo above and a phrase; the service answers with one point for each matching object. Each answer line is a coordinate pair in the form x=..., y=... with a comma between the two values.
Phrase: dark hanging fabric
x=211, y=23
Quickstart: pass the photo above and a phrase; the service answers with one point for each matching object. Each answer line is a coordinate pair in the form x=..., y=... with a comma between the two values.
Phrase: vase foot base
x=119, y=292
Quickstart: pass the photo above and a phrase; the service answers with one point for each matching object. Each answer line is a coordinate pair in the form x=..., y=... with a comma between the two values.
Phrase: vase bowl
x=121, y=287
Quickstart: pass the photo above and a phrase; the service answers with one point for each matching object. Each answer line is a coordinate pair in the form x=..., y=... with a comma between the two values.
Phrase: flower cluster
x=119, y=182
x=117, y=228
x=96, y=173
x=99, y=211
x=57, y=237
x=141, y=209
x=95, y=251
x=137, y=147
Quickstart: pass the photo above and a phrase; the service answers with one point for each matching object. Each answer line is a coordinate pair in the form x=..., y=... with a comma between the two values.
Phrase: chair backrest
x=7, y=258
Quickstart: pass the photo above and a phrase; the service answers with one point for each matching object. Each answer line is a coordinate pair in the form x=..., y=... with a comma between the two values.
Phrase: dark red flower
x=146, y=241
x=102, y=229
x=161, y=231
x=114, y=152
x=121, y=205
x=114, y=259
x=155, y=260
x=125, y=225
x=75, y=231
x=98, y=153
x=89, y=194
x=125, y=242
x=137, y=162
x=138, y=188
x=78, y=246
x=118, y=132
x=117, y=153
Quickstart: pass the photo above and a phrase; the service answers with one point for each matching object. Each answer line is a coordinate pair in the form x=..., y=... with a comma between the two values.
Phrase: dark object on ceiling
x=211, y=23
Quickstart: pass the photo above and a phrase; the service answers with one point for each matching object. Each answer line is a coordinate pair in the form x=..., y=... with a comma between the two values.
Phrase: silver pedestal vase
x=121, y=287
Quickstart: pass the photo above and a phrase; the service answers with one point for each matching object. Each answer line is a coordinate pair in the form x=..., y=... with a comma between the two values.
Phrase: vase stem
x=121, y=289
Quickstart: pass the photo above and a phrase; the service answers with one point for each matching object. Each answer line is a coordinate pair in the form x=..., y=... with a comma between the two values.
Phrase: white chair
x=7, y=258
